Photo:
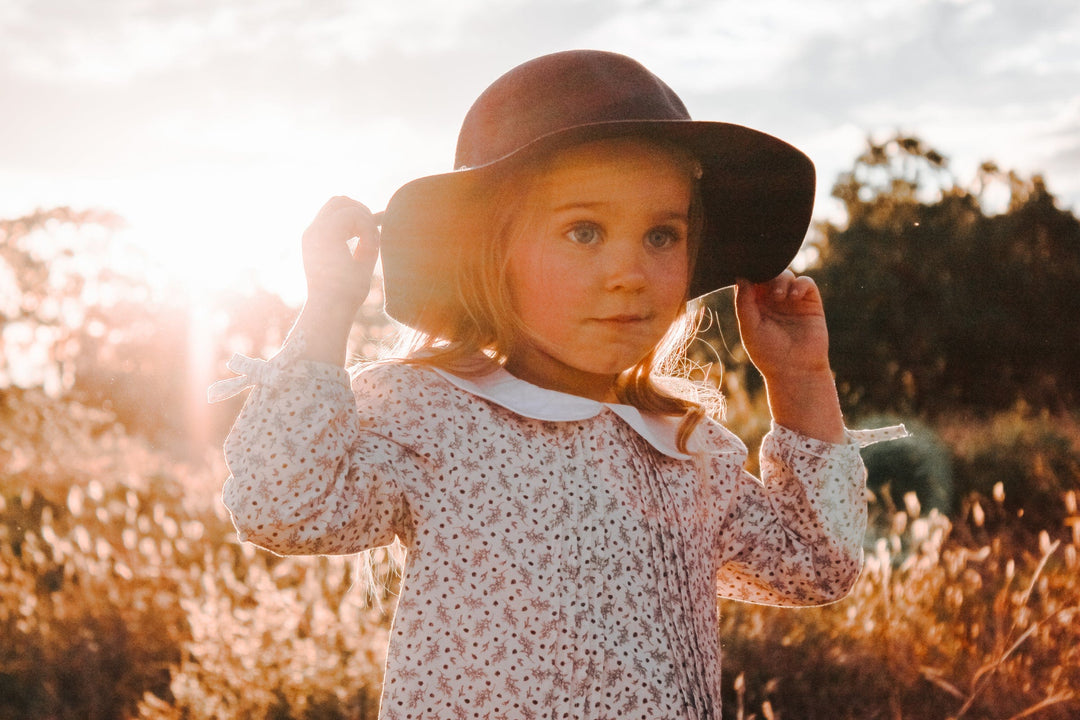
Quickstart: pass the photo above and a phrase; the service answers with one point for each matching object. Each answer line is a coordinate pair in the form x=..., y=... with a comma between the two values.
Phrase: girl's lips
x=622, y=319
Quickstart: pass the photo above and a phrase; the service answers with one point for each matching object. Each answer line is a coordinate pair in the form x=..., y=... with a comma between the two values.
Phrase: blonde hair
x=486, y=326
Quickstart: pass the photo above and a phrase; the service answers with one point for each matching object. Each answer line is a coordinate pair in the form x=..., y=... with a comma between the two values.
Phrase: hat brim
x=757, y=193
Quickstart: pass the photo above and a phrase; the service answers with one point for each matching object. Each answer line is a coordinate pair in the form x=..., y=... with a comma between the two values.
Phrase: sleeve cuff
x=285, y=365
x=820, y=448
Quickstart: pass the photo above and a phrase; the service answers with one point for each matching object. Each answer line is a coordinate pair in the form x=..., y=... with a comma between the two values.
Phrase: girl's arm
x=308, y=471
x=794, y=537
x=306, y=474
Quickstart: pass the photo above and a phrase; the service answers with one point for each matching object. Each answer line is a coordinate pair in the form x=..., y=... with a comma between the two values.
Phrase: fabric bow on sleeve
x=250, y=372
x=876, y=435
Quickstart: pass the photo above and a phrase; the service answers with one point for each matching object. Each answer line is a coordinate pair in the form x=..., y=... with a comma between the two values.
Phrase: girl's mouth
x=622, y=319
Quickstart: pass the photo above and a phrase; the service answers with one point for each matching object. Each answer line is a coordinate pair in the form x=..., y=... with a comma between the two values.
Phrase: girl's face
x=598, y=269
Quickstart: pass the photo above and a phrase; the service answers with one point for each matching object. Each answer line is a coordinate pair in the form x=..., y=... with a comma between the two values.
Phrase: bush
x=124, y=593
x=935, y=302
x=123, y=589
x=1015, y=471
x=932, y=630
x=96, y=538
x=283, y=642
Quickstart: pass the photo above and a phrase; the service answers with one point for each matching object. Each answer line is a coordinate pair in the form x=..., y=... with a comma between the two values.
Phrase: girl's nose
x=626, y=267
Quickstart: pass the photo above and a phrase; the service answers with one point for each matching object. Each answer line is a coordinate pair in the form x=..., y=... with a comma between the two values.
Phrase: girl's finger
x=334, y=210
x=796, y=289
x=339, y=220
x=802, y=288
x=367, y=243
x=778, y=287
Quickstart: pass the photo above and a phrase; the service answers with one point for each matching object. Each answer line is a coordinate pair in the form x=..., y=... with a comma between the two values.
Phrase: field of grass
x=123, y=593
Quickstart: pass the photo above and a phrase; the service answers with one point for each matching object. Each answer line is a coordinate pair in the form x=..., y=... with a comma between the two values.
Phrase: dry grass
x=933, y=630
x=123, y=593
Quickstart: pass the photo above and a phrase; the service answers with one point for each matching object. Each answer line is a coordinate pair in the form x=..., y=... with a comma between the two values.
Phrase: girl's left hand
x=782, y=323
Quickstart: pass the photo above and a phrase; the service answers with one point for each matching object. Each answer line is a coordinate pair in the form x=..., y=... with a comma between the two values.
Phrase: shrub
x=123, y=592
x=932, y=630
x=96, y=537
x=123, y=589
x=283, y=642
x=1033, y=460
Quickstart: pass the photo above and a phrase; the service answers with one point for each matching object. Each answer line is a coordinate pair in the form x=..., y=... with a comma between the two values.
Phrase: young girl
x=569, y=513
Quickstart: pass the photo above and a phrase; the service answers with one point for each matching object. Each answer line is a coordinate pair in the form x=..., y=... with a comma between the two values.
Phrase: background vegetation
x=123, y=592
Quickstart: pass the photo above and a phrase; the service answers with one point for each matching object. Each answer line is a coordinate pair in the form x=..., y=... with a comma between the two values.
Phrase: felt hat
x=757, y=191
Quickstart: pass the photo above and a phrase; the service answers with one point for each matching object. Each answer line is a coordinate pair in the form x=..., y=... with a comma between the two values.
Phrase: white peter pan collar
x=660, y=431
x=532, y=401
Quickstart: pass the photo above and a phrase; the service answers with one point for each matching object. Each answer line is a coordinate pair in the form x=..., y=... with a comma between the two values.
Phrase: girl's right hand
x=339, y=279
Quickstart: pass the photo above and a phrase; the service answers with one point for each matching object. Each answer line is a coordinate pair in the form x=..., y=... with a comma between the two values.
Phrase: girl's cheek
x=675, y=274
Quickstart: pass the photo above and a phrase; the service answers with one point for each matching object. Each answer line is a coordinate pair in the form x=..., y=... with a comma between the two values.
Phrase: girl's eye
x=584, y=234
x=660, y=238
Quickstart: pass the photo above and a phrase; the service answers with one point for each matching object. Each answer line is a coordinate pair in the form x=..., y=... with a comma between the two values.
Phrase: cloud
x=907, y=54
x=133, y=86
x=117, y=41
x=977, y=78
x=130, y=83
x=109, y=42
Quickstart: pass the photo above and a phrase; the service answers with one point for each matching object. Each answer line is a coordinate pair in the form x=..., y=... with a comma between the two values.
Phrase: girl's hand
x=782, y=323
x=338, y=278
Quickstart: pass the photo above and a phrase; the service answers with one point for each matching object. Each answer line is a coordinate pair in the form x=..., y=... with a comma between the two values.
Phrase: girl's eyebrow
x=580, y=205
x=593, y=204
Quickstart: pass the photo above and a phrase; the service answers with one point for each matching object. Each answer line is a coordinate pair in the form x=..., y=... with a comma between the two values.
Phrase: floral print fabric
x=556, y=568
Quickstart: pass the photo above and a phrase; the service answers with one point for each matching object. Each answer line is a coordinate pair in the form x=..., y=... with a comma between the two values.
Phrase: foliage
x=933, y=630
x=936, y=304
x=1013, y=471
x=82, y=318
x=287, y=641
x=123, y=589
x=124, y=593
x=47, y=291
x=95, y=537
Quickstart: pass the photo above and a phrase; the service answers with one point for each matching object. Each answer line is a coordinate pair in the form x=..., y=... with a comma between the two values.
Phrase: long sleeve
x=308, y=474
x=795, y=536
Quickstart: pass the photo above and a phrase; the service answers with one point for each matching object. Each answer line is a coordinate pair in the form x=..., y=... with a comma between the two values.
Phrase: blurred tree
x=82, y=318
x=46, y=285
x=936, y=304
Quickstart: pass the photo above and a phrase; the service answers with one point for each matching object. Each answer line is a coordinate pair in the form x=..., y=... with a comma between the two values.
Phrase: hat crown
x=556, y=92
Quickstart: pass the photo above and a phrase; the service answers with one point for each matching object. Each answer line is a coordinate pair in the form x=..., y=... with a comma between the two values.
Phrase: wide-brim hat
x=757, y=191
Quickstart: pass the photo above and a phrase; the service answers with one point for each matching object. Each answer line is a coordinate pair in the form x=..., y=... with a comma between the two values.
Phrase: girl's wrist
x=818, y=377
x=808, y=404
x=330, y=312
x=326, y=327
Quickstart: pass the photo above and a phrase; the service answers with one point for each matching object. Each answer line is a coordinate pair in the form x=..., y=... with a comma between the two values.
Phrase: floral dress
x=563, y=557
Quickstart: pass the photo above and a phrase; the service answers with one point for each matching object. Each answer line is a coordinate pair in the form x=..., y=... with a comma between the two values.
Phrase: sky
x=217, y=128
